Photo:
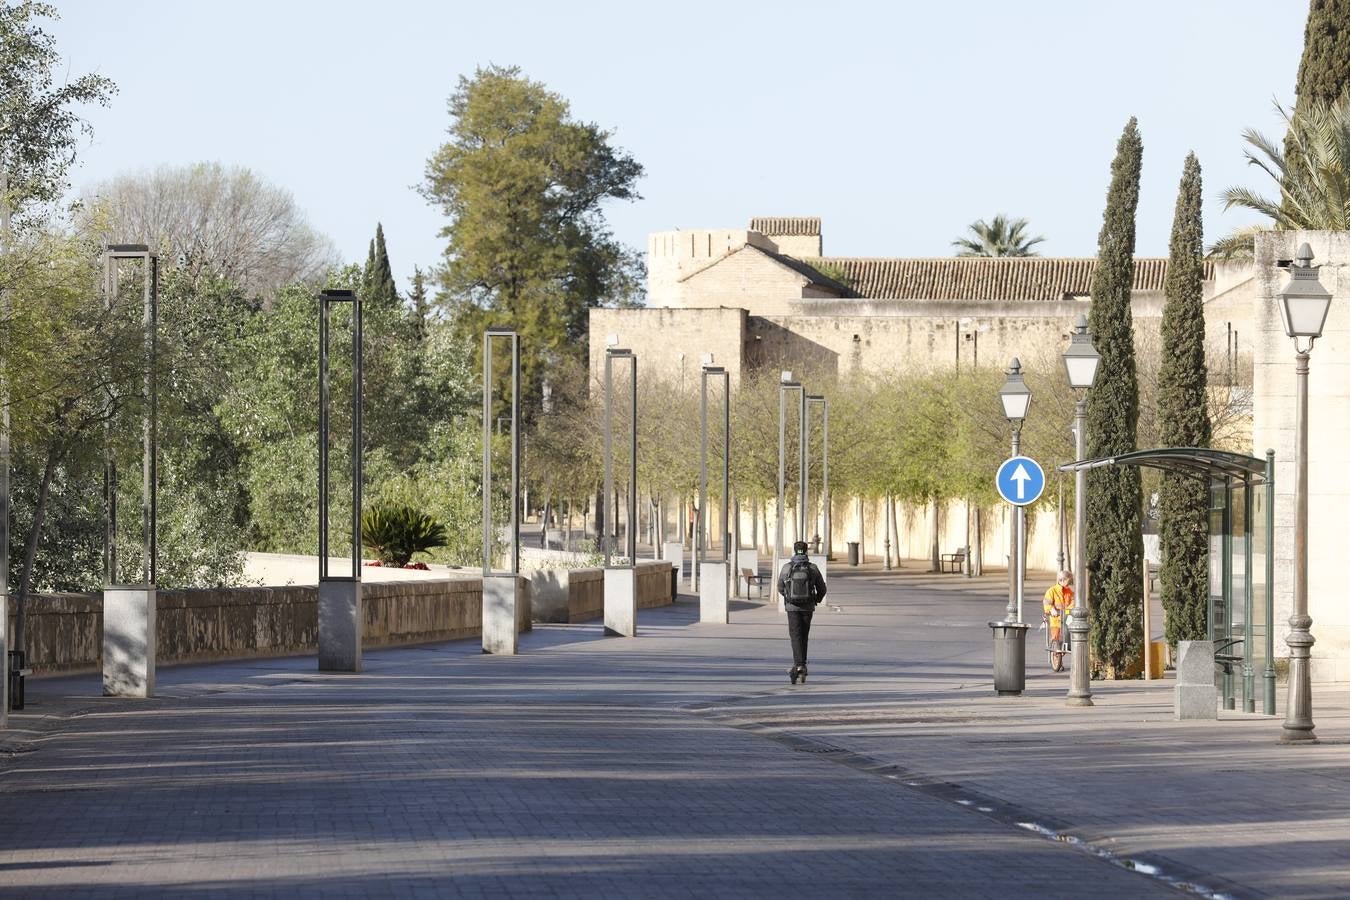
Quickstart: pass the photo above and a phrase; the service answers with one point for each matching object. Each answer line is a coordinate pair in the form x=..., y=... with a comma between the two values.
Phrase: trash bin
x=852, y=553
x=1010, y=657
x=15, y=675
x=674, y=583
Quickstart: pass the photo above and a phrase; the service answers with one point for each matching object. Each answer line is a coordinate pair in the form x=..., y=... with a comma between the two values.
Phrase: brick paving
x=676, y=764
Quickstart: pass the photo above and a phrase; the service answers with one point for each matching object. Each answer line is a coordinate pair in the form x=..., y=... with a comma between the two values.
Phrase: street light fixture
x=824, y=471
x=1016, y=399
x=1081, y=360
x=1304, y=304
x=785, y=386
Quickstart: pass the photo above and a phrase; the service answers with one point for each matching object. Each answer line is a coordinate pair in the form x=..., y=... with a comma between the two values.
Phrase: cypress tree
x=1115, y=547
x=1183, y=501
x=421, y=306
x=1324, y=70
x=378, y=277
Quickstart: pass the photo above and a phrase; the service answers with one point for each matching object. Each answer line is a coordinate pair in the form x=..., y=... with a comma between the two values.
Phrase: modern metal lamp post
x=501, y=590
x=621, y=580
x=1080, y=364
x=823, y=547
x=129, y=610
x=341, y=617
x=712, y=592
x=1016, y=398
x=786, y=386
x=1304, y=304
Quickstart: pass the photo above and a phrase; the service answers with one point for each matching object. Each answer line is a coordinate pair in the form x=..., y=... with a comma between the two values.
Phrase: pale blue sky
x=897, y=123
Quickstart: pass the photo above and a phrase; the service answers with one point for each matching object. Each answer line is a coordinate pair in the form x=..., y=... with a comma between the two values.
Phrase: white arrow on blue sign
x=1020, y=480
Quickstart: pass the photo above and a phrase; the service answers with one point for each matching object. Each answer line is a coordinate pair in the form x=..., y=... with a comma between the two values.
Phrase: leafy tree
x=523, y=184
x=1313, y=178
x=1114, y=541
x=38, y=125
x=209, y=220
x=1000, y=237
x=377, y=280
x=1183, y=500
x=1324, y=70
x=417, y=299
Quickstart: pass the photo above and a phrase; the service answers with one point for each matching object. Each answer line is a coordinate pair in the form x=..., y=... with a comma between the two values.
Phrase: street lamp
x=1016, y=398
x=1080, y=365
x=1304, y=304
x=824, y=470
x=785, y=386
x=713, y=577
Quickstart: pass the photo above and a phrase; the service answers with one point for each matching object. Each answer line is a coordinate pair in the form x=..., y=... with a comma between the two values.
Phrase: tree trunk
x=935, y=548
x=30, y=550
x=977, y=551
x=895, y=531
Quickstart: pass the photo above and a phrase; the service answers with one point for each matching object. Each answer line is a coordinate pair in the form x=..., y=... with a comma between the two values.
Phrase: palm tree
x=1313, y=178
x=998, y=238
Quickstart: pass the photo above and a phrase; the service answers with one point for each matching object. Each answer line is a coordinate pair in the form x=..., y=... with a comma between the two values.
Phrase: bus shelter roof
x=1201, y=462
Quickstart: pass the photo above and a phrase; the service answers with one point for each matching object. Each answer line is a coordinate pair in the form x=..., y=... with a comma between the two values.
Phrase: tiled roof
x=1030, y=278
x=782, y=226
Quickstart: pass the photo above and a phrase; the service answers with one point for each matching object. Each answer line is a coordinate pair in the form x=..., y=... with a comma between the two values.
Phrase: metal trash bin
x=674, y=583
x=852, y=553
x=16, y=672
x=1010, y=657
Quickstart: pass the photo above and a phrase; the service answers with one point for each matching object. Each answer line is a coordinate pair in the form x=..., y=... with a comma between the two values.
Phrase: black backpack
x=799, y=583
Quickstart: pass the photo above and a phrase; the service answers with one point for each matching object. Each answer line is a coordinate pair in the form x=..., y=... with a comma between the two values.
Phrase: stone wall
x=578, y=595
x=1328, y=440
x=65, y=630
x=669, y=343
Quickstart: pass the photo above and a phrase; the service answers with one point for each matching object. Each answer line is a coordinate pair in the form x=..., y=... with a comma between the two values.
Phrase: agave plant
x=396, y=532
x=1313, y=177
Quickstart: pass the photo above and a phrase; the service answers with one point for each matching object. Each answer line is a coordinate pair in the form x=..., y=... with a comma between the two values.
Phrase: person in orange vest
x=1058, y=601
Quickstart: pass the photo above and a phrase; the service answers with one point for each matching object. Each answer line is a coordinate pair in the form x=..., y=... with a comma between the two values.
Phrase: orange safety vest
x=1057, y=599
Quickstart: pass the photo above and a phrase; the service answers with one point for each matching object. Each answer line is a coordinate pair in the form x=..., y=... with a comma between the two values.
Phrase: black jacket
x=817, y=583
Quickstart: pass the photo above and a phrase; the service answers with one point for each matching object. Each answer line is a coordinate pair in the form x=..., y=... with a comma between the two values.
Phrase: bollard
x=852, y=553
x=1010, y=658
x=1195, y=696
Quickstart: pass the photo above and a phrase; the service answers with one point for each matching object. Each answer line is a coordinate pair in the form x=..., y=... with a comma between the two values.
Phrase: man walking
x=801, y=586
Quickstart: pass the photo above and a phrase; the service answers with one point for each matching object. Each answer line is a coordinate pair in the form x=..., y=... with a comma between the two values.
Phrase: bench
x=752, y=577
x=953, y=560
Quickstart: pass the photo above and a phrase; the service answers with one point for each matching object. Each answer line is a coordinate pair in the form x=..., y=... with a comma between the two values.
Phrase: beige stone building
x=766, y=297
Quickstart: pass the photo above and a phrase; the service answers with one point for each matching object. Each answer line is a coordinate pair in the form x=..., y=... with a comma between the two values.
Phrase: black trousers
x=799, y=628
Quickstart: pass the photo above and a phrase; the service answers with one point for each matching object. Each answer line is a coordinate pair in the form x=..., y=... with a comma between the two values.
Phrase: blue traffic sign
x=1020, y=480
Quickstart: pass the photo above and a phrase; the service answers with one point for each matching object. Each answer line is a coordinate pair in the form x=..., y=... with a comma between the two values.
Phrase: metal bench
x=952, y=562
x=753, y=577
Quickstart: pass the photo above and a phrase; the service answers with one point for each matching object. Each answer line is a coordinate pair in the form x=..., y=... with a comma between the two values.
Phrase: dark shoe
x=801, y=673
x=792, y=674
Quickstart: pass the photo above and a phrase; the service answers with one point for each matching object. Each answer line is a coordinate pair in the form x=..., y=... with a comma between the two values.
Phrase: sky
x=898, y=123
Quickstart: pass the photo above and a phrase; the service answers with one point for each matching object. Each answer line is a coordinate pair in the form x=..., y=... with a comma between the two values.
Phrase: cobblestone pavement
x=679, y=763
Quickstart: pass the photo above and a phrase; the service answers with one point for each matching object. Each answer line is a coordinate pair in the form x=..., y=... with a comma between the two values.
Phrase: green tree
x=1324, y=70
x=1183, y=500
x=39, y=128
x=1000, y=237
x=523, y=184
x=1114, y=542
x=1313, y=179
x=377, y=279
x=417, y=299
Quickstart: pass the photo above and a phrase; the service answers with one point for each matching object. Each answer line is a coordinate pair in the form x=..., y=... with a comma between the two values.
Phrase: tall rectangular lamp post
x=341, y=615
x=129, y=610
x=822, y=555
x=621, y=580
x=786, y=386
x=501, y=590
x=713, y=573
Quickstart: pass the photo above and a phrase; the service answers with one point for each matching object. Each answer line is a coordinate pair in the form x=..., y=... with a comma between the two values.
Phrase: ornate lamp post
x=1080, y=364
x=1304, y=304
x=1016, y=398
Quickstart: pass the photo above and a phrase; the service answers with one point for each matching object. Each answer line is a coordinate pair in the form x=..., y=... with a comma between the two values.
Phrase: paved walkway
x=679, y=763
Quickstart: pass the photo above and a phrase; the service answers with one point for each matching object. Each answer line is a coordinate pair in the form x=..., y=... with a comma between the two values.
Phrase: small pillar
x=712, y=592
x=673, y=553
x=746, y=559
x=621, y=601
x=819, y=561
x=501, y=603
x=341, y=619
x=1195, y=696
x=128, y=641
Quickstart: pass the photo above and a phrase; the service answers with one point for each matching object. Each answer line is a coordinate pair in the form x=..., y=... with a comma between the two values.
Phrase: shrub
x=395, y=533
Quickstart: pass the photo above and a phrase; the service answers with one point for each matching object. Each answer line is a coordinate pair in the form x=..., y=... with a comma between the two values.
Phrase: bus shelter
x=1241, y=561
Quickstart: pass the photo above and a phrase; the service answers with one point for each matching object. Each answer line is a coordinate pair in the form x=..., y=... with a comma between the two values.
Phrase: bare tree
x=213, y=219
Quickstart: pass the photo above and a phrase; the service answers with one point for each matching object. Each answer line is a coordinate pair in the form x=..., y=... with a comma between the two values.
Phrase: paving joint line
x=1162, y=870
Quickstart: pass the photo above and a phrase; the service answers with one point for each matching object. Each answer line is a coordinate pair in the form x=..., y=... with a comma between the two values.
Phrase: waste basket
x=15, y=674
x=1010, y=658
x=852, y=553
x=674, y=583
